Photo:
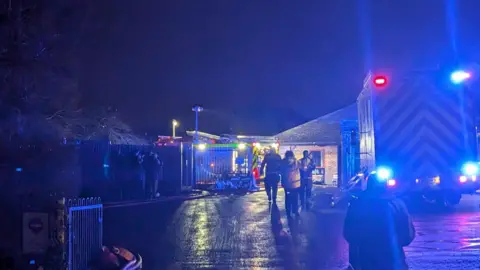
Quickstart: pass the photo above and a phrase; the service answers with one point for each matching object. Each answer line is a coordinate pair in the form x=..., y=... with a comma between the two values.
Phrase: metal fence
x=186, y=172
x=217, y=161
x=84, y=231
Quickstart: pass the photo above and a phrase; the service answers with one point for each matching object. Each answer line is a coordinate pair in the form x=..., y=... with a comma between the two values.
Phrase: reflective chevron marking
x=421, y=128
x=424, y=155
x=399, y=127
x=398, y=99
x=427, y=128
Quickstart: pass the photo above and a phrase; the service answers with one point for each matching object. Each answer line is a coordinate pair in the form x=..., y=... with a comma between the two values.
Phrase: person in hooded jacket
x=291, y=183
x=377, y=228
x=272, y=161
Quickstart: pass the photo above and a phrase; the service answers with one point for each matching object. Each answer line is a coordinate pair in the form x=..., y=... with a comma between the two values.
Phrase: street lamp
x=174, y=126
x=196, y=109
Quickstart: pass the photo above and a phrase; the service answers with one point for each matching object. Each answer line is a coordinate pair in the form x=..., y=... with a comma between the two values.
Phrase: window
x=317, y=158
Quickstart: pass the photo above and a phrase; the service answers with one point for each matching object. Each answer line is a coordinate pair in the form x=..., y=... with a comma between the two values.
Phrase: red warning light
x=380, y=81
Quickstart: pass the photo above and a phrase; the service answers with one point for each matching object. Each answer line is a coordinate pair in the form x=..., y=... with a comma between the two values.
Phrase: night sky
x=261, y=66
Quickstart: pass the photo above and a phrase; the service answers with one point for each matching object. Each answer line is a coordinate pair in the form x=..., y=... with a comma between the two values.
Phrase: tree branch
x=54, y=115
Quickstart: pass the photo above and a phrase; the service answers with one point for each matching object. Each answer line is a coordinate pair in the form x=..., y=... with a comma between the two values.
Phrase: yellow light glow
x=202, y=146
x=174, y=123
x=241, y=146
x=234, y=160
x=436, y=180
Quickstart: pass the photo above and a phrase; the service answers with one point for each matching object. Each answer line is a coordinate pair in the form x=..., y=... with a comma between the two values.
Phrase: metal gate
x=187, y=180
x=215, y=161
x=84, y=231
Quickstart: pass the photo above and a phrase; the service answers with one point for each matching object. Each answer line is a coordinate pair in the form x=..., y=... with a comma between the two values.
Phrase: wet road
x=243, y=232
x=448, y=240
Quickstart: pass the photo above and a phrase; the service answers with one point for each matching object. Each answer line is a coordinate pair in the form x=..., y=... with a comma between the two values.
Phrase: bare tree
x=104, y=123
x=39, y=96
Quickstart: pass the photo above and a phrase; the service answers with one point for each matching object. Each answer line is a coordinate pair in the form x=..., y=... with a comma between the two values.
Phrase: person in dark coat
x=306, y=182
x=272, y=161
x=377, y=228
x=136, y=175
x=151, y=167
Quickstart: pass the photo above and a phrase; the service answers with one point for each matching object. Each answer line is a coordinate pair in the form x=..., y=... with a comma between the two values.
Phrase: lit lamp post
x=196, y=109
x=174, y=126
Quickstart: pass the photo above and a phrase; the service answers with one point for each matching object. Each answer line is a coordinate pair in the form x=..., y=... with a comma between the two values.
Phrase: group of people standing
x=375, y=211
x=294, y=175
x=137, y=174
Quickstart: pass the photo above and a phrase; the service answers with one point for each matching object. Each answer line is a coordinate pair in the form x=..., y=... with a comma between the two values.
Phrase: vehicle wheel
x=453, y=198
x=441, y=201
x=418, y=200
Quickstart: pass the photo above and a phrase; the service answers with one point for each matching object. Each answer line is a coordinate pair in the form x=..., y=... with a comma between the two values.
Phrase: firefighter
x=377, y=228
x=272, y=161
x=291, y=183
x=306, y=168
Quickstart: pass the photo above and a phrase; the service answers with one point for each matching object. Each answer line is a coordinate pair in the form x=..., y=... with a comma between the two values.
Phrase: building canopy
x=324, y=130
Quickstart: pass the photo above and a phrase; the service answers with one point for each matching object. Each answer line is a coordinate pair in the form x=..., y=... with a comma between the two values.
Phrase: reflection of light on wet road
x=470, y=243
x=456, y=231
x=235, y=232
x=447, y=240
x=255, y=233
x=201, y=231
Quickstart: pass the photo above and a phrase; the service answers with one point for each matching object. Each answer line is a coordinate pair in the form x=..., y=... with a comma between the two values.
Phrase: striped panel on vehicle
x=423, y=127
x=255, y=158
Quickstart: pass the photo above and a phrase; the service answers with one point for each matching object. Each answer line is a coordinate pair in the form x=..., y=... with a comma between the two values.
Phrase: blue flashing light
x=460, y=76
x=384, y=173
x=470, y=169
x=18, y=169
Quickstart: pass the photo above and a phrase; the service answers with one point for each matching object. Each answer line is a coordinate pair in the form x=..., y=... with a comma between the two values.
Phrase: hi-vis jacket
x=291, y=173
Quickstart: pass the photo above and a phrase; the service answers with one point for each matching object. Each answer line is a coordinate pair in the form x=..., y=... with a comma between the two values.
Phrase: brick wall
x=331, y=165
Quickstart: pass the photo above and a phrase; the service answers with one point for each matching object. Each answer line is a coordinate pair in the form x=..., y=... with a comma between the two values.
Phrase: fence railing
x=218, y=161
x=84, y=231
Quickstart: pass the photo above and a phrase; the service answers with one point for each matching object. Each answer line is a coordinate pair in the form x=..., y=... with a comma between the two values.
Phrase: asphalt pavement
x=244, y=232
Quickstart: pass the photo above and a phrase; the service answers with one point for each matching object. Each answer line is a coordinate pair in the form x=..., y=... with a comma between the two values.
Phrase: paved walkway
x=243, y=232
x=227, y=232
